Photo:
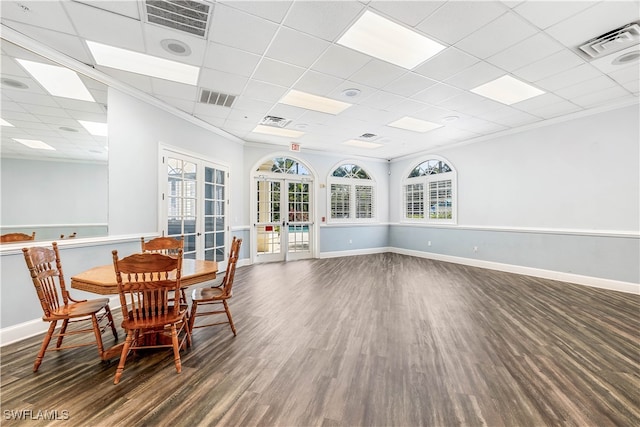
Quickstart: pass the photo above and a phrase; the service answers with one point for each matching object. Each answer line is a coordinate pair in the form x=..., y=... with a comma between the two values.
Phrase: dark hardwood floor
x=375, y=340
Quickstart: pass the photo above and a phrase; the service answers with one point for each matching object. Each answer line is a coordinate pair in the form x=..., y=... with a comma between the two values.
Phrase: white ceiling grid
x=260, y=50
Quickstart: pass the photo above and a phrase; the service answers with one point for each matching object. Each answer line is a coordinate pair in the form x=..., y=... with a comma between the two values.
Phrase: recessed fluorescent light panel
x=270, y=130
x=383, y=39
x=3, y=122
x=416, y=125
x=362, y=144
x=94, y=128
x=33, y=143
x=58, y=81
x=141, y=63
x=314, y=102
x=507, y=90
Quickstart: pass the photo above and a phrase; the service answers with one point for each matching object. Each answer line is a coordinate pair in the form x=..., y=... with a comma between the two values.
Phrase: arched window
x=283, y=165
x=429, y=192
x=351, y=194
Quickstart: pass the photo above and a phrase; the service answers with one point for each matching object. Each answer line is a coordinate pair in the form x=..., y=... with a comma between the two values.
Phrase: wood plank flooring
x=374, y=340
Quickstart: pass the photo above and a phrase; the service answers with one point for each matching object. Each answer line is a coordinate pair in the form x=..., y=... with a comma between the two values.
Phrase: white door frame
x=285, y=179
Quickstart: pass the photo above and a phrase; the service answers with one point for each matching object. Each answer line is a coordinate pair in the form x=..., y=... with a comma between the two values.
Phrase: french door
x=283, y=227
x=194, y=204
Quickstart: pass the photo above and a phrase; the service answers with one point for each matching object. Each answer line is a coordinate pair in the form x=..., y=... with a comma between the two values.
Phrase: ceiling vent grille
x=189, y=16
x=273, y=121
x=368, y=136
x=216, y=98
x=613, y=41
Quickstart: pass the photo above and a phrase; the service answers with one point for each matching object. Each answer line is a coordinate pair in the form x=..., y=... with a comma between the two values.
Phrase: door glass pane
x=214, y=214
x=268, y=239
x=181, y=199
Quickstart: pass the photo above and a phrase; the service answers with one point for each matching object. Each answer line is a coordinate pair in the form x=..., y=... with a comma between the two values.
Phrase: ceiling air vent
x=216, y=98
x=613, y=41
x=273, y=121
x=368, y=136
x=189, y=16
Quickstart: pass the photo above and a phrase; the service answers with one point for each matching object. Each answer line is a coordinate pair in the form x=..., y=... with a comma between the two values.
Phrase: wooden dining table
x=102, y=280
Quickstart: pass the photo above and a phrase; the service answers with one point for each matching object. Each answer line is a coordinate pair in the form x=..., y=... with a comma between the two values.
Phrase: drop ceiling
x=259, y=51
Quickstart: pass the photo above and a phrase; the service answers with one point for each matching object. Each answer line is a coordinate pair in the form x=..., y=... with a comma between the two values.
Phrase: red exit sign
x=294, y=147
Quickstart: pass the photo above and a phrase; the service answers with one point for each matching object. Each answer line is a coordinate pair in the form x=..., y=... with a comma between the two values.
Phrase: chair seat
x=172, y=316
x=77, y=309
x=209, y=294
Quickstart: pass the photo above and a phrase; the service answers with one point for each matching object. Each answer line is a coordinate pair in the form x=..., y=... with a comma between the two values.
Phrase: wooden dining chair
x=166, y=246
x=145, y=284
x=57, y=304
x=17, y=237
x=209, y=297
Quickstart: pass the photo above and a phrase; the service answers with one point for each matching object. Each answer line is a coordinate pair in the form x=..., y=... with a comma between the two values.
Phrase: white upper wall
x=136, y=132
x=581, y=174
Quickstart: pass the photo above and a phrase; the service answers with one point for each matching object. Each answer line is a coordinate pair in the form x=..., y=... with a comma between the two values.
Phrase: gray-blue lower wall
x=610, y=257
x=601, y=256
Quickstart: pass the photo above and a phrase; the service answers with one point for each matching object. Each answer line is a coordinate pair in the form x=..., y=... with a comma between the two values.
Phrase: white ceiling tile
x=324, y=19
x=215, y=121
x=553, y=64
x=174, y=89
x=437, y=93
x=568, y=78
x=295, y=47
x=209, y=111
x=407, y=107
x=594, y=21
x=543, y=14
x=231, y=60
x=602, y=97
x=377, y=73
x=264, y=91
x=511, y=117
x=317, y=83
x=181, y=104
x=433, y=114
x=43, y=14
x=272, y=10
x=555, y=109
x=249, y=104
x=588, y=86
x=627, y=74
x=465, y=101
x=537, y=102
x=381, y=99
x=408, y=84
x=340, y=61
x=229, y=27
x=457, y=19
x=497, y=35
x=527, y=51
x=407, y=12
x=632, y=86
x=471, y=77
x=67, y=44
x=447, y=63
x=99, y=26
x=277, y=73
x=221, y=82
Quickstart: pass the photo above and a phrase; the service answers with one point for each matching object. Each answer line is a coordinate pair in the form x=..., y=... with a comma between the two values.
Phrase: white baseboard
x=595, y=282
x=354, y=252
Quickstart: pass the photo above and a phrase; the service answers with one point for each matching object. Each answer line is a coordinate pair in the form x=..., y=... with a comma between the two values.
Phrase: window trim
x=425, y=180
x=352, y=183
